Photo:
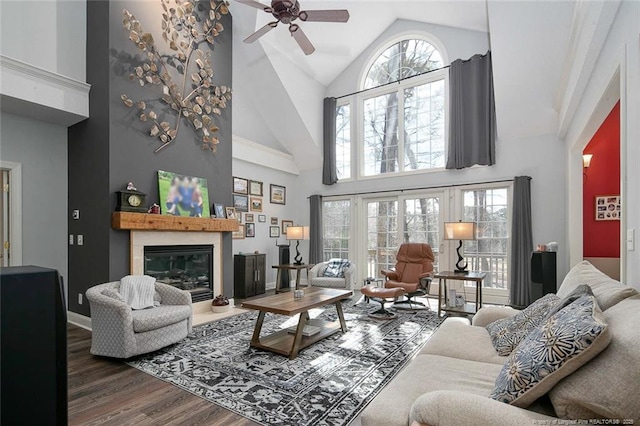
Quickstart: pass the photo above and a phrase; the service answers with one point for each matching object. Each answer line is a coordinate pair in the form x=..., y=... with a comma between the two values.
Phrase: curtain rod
x=392, y=82
x=416, y=189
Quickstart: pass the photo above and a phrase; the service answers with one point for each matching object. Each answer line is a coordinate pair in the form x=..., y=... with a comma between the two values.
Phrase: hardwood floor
x=109, y=392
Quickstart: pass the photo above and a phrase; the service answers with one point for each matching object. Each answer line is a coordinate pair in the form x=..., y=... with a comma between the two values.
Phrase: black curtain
x=521, y=242
x=315, y=229
x=472, y=123
x=329, y=171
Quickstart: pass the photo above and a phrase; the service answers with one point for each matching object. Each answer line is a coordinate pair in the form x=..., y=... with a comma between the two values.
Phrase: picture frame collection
x=607, y=207
x=248, y=206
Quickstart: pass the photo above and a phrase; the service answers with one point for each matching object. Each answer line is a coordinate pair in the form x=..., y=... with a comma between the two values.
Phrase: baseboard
x=270, y=286
x=79, y=320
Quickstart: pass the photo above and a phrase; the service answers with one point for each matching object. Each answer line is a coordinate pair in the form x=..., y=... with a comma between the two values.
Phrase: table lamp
x=298, y=233
x=460, y=231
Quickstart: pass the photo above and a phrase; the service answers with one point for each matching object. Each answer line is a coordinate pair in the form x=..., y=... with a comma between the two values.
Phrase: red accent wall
x=602, y=238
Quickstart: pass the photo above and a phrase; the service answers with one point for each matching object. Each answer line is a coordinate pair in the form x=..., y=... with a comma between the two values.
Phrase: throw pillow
x=577, y=293
x=552, y=351
x=507, y=333
x=607, y=291
x=336, y=267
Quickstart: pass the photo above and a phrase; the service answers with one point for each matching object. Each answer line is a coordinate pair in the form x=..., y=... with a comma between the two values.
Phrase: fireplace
x=187, y=267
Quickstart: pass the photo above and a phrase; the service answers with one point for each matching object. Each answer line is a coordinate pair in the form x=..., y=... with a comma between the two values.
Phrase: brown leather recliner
x=414, y=265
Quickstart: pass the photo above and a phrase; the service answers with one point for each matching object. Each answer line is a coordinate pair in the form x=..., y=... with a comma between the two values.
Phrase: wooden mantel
x=156, y=222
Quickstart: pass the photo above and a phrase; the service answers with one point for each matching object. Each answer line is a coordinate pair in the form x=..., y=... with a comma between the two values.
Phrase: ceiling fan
x=286, y=12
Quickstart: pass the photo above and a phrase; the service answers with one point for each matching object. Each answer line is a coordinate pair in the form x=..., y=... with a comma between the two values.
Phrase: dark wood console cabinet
x=249, y=275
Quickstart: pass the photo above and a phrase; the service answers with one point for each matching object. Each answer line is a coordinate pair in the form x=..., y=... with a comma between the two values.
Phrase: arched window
x=403, y=59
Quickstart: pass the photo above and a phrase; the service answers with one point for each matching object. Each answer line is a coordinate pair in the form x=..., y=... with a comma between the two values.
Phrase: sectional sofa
x=455, y=379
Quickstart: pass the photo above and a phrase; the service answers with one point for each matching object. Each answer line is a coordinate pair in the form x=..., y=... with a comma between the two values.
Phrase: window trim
x=418, y=35
x=360, y=98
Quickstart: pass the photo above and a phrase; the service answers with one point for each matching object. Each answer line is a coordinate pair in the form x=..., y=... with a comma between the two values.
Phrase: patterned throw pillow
x=552, y=351
x=335, y=268
x=576, y=294
x=507, y=333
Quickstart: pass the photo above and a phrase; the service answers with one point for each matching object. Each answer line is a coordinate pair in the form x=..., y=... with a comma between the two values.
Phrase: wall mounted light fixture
x=586, y=160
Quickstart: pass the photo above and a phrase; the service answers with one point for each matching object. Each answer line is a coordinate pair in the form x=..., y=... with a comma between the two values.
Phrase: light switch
x=70, y=239
x=631, y=239
x=80, y=239
x=76, y=214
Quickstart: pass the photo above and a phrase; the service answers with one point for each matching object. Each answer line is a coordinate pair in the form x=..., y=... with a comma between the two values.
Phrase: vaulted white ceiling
x=278, y=90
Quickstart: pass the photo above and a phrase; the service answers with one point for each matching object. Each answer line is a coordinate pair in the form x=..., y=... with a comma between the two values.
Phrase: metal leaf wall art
x=185, y=75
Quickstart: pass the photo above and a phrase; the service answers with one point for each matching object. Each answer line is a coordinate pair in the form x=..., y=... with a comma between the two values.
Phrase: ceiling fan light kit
x=286, y=12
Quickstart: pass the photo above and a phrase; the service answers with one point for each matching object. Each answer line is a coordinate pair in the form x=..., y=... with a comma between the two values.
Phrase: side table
x=468, y=308
x=290, y=267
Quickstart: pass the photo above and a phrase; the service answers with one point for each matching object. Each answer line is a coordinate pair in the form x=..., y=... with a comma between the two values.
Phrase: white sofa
x=449, y=382
x=316, y=278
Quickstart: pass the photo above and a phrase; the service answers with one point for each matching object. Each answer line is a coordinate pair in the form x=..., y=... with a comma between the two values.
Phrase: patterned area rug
x=329, y=383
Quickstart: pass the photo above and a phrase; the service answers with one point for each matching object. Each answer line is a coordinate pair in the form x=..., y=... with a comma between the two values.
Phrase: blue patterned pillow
x=336, y=267
x=507, y=333
x=552, y=351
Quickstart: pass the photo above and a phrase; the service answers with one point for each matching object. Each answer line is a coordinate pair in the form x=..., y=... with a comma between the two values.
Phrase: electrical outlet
x=70, y=239
x=76, y=214
x=80, y=239
x=631, y=239
x=79, y=298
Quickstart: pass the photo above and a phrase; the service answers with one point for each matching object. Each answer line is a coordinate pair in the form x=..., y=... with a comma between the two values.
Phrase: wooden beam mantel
x=156, y=222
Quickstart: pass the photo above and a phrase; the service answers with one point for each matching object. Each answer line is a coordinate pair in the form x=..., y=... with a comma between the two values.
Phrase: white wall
x=262, y=242
x=621, y=51
x=49, y=34
x=41, y=148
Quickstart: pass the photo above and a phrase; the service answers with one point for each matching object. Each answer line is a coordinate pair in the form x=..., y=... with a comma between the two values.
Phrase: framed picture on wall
x=256, y=204
x=250, y=230
x=255, y=188
x=262, y=218
x=608, y=207
x=274, y=231
x=285, y=225
x=274, y=220
x=241, y=202
x=239, y=234
x=248, y=217
x=240, y=186
x=278, y=194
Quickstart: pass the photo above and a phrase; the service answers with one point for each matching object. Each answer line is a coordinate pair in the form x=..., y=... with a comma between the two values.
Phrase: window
x=489, y=208
x=401, y=126
x=343, y=141
x=382, y=235
x=337, y=225
x=421, y=219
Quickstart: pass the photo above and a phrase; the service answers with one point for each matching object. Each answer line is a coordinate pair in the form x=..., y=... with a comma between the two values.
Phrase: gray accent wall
x=112, y=147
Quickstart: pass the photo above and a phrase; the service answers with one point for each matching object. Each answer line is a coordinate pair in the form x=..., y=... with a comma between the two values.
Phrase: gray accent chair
x=316, y=279
x=120, y=332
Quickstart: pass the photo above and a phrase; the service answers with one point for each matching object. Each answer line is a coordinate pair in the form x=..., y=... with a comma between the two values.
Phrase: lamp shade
x=298, y=233
x=586, y=160
x=460, y=231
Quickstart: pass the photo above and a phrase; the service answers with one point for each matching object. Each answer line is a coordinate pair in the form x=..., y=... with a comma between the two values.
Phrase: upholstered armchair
x=413, y=271
x=317, y=277
x=120, y=332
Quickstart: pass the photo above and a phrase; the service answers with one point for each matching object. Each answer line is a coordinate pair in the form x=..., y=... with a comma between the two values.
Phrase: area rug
x=329, y=383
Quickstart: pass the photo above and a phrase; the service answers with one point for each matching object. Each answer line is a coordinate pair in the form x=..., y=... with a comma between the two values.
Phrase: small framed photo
x=240, y=186
x=262, y=218
x=250, y=230
x=218, y=211
x=285, y=225
x=241, y=203
x=248, y=217
x=239, y=234
x=256, y=204
x=608, y=207
x=274, y=220
x=274, y=231
x=278, y=194
x=231, y=212
x=255, y=188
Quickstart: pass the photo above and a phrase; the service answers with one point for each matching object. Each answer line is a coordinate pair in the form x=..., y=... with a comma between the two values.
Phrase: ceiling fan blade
x=302, y=39
x=254, y=3
x=262, y=31
x=324, y=15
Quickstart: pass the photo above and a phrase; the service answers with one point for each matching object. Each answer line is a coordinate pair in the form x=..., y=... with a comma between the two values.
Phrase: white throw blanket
x=138, y=290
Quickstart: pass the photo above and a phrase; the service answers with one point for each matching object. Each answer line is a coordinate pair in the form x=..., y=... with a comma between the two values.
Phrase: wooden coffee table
x=285, y=343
